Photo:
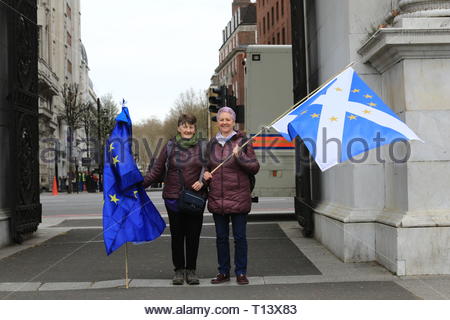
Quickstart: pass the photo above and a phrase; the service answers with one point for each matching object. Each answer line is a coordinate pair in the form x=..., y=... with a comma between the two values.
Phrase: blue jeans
x=239, y=225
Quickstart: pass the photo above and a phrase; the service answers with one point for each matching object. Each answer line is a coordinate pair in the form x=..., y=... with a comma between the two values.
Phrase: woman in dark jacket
x=181, y=161
x=229, y=195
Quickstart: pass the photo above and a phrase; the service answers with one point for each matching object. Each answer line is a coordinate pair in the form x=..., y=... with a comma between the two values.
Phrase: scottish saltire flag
x=346, y=112
x=128, y=213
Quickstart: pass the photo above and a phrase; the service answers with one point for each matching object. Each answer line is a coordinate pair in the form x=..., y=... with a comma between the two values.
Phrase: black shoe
x=178, y=278
x=191, y=277
x=220, y=278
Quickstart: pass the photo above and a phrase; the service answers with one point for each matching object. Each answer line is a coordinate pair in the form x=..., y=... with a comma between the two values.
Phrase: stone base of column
x=403, y=251
x=413, y=251
x=5, y=238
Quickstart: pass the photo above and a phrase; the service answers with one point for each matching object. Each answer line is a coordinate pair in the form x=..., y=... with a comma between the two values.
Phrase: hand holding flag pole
x=284, y=114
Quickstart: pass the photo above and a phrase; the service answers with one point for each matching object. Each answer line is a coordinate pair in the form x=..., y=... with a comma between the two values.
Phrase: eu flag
x=343, y=119
x=128, y=213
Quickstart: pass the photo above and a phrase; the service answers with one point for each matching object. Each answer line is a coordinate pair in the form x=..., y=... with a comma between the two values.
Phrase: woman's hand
x=207, y=175
x=236, y=151
x=197, y=186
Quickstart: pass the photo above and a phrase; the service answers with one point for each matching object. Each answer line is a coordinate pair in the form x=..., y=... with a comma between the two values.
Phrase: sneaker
x=220, y=278
x=191, y=277
x=178, y=278
x=241, y=279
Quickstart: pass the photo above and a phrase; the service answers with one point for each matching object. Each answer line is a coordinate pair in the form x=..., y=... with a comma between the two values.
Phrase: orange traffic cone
x=54, y=187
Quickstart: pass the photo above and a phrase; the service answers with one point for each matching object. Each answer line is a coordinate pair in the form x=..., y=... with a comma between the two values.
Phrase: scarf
x=186, y=143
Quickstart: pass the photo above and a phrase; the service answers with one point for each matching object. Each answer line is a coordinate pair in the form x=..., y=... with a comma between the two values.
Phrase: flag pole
x=126, y=265
x=285, y=113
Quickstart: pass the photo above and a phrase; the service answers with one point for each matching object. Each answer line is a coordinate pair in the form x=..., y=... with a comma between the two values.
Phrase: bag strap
x=180, y=175
x=169, y=151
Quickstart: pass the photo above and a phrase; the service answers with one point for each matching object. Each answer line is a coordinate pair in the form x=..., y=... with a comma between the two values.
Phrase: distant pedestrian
x=180, y=165
x=229, y=197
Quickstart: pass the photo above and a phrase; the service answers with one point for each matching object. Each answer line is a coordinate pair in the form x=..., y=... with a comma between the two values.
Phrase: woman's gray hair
x=227, y=109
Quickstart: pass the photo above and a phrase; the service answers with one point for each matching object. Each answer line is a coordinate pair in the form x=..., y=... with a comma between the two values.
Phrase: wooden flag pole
x=285, y=113
x=126, y=265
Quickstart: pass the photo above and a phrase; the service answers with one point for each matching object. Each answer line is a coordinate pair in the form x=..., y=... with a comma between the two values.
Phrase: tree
x=105, y=119
x=153, y=133
x=108, y=113
x=72, y=115
x=89, y=123
x=192, y=103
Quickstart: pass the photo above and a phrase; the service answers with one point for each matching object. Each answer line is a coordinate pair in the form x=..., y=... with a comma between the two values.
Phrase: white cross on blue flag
x=342, y=120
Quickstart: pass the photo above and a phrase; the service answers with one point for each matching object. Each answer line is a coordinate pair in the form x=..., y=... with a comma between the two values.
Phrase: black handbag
x=190, y=201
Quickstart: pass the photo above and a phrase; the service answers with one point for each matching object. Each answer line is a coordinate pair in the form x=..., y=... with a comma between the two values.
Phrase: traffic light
x=238, y=109
x=216, y=98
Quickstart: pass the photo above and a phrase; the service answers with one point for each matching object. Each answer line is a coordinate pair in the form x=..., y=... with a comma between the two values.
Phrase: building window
x=68, y=11
x=268, y=21
x=273, y=16
x=273, y=40
x=69, y=66
x=282, y=8
x=40, y=41
x=264, y=25
x=283, y=36
x=69, y=39
x=278, y=11
x=278, y=38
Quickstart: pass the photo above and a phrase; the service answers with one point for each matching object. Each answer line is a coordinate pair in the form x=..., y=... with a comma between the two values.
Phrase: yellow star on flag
x=338, y=89
x=315, y=115
x=116, y=160
x=306, y=111
x=368, y=96
x=111, y=147
x=366, y=111
x=114, y=198
x=333, y=119
x=372, y=104
x=356, y=90
x=352, y=117
x=135, y=194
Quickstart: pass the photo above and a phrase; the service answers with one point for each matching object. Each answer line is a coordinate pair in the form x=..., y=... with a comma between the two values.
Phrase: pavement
x=65, y=259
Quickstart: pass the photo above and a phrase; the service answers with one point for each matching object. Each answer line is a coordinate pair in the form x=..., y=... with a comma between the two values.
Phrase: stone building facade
x=62, y=60
x=395, y=213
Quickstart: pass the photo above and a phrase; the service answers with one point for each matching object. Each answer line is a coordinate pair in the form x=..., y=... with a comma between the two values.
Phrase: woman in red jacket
x=181, y=162
x=229, y=197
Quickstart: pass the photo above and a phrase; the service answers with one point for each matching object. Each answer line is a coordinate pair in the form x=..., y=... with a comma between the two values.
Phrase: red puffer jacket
x=190, y=164
x=229, y=188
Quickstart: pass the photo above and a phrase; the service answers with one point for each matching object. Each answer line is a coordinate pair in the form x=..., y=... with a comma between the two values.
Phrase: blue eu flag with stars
x=128, y=213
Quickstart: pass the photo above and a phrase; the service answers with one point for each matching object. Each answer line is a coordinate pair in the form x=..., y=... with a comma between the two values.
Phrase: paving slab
x=109, y=284
x=79, y=256
x=384, y=290
x=19, y=286
x=62, y=286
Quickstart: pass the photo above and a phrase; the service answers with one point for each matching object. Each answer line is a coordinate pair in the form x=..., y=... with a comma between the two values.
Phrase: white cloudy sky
x=150, y=51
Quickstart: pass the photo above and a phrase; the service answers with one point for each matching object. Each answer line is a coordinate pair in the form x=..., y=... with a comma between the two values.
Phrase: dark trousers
x=185, y=232
x=239, y=225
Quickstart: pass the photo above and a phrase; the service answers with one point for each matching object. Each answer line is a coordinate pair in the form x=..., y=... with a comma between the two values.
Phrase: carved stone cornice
x=388, y=46
x=423, y=8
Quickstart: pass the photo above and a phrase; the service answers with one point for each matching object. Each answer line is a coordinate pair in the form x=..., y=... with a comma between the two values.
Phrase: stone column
x=413, y=58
